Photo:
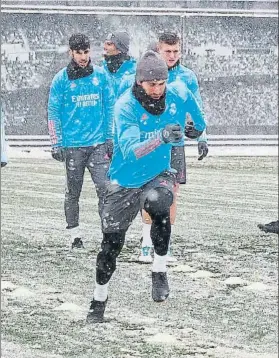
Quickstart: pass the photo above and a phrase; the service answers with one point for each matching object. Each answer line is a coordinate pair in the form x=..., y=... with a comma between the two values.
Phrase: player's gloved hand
x=58, y=153
x=3, y=164
x=203, y=150
x=109, y=144
x=191, y=132
x=172, y=133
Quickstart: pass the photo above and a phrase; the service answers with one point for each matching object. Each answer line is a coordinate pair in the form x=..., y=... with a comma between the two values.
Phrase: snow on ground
x=191, y=151
x=223, y=301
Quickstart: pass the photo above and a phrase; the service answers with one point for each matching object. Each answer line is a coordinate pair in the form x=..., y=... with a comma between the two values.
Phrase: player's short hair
x=79, y=42
x=170, y=38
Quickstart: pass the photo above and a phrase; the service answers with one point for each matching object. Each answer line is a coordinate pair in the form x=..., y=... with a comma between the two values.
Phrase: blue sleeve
x=4, y=158
x=55, y=105
x=128, y=133
x=203, y=137
x=192, y=107
x=108, y=107
x=194, y=88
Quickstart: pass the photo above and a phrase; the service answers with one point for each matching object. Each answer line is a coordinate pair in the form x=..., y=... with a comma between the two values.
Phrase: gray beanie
x=153, y=46
x=121, y=40
x=151, y=67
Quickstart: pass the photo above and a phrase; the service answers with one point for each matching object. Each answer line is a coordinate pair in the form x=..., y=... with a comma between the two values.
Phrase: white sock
x=146, y=238
x=101, y=292
x=74, y=232
x=159, y=263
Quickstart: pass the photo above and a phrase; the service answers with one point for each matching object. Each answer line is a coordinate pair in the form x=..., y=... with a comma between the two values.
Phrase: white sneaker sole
x=145, y=259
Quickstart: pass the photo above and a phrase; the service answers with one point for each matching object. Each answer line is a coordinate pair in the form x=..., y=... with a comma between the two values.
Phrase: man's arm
x=55, y=105
x=193, y=86
x=129, y=135
x=192, y=107
x=108, y=107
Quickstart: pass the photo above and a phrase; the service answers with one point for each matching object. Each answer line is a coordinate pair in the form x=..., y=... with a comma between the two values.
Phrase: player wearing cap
x=117, y=61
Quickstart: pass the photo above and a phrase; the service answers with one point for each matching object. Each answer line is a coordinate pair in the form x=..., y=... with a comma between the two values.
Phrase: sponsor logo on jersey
x=86, y=100
x=144, y=117
x=172, y=109
x=95, y=81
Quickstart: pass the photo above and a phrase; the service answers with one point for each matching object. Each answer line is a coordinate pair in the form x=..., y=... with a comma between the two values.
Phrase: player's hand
x=203, y=150
x=172, y=133
x=191, y=132
x=58, y=153
x=109, y=147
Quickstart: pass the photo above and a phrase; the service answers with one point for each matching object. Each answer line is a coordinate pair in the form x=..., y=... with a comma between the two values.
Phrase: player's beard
x=152, y=105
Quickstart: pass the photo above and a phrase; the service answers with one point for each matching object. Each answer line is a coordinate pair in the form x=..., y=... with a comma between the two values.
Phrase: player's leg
x=98, y=164
x=75, y=160
x=178, y=162
x=173, y=211
x=146, y=243
x=157, y=199
x=120, y=207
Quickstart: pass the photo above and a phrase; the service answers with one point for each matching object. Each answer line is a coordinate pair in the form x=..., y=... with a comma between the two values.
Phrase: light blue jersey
x=128, y=67
x=139, y=151
x=80, y=111
x=179, y=72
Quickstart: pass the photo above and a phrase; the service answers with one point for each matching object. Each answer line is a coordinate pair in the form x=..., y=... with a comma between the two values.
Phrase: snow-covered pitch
x=223, y=301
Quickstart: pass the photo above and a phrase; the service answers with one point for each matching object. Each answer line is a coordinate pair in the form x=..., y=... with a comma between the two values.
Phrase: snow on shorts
x=178, y=162
x=121, y=205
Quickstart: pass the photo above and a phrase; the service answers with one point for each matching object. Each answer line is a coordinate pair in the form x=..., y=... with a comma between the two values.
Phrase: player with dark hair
x=80, y=116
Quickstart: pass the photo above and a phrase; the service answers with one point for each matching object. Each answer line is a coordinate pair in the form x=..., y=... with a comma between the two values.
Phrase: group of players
x=126, y=122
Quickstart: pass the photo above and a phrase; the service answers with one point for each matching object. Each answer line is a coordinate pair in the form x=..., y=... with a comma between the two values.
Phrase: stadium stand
x=229, y=55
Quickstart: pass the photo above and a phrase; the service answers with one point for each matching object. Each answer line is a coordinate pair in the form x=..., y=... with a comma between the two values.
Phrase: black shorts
x=178, y=162
x=121, y=205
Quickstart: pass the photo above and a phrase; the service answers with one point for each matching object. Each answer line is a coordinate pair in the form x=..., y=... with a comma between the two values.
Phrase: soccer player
x=117, y=62
x=80, y=115
x=149, y=119
x=169, y=47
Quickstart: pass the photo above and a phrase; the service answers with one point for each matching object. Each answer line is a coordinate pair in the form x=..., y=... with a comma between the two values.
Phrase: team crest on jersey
x=95, y=81
x=173, y=109
x=73, y=85
x=144, y=117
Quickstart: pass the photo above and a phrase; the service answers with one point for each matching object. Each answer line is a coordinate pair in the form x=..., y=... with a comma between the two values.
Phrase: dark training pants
x=121, y=206
x=95, y=159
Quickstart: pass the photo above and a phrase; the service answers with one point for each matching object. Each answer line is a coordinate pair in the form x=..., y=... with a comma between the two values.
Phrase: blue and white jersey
x=128, y=67
x=139, y=151
x=179, y=72
x=80, y=111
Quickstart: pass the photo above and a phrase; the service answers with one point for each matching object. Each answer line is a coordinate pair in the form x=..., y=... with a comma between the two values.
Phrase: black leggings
x=112, y=243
